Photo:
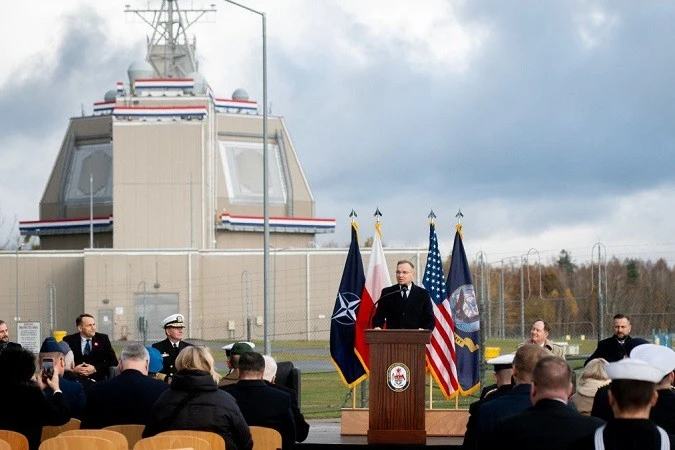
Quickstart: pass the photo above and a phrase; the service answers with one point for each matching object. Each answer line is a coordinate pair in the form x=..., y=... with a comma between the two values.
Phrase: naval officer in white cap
x=174, y=327
x=632, y=394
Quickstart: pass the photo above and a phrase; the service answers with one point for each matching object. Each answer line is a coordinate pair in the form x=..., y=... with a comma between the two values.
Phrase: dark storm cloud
x=41, y=96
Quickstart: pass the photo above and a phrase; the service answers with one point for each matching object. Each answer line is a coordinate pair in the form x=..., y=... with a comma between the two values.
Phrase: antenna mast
x=169, y=51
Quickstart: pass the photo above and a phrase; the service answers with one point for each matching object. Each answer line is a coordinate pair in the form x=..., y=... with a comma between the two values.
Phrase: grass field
x=324, y=394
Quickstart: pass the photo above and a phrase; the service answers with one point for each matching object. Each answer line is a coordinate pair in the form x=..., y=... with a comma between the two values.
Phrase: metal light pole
x=266, y=213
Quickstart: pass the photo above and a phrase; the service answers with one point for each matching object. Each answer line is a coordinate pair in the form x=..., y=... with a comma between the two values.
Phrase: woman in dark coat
x=194, y=402
x=26, y=407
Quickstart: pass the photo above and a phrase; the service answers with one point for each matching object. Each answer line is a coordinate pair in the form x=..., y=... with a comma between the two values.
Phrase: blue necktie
x=87, y=348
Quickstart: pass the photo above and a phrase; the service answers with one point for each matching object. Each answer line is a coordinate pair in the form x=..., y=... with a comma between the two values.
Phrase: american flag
x=441, y=356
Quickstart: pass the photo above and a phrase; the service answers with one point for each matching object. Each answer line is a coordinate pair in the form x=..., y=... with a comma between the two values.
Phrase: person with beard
x=615, y=347
x=4, y=337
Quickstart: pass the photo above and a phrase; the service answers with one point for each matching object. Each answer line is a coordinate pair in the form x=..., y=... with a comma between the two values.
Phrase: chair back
x=133, y=432
x=50, y=431
x=215, y=440
x=77, y=443
x=4, y=445
x=172, y=442
x=17, y=441
x=116, y=438
x=265, y=438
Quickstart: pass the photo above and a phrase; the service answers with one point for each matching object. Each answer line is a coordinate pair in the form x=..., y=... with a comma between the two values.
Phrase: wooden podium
x=397, y=377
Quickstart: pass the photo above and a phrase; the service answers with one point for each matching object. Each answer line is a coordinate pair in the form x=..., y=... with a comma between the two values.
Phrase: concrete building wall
x=157, y=185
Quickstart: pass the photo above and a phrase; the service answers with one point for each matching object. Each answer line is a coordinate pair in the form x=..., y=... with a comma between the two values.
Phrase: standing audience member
x=632, y=394
x=549, y=423
x=194, y=402
x=591, y=379
x=4, y=337
x=614, y=347
x=93, y=352
x=539, y=336
x=404, y=305
x=503, y=367
x=174, y=328
x=26, y=407
x=126, y=398
x=72, y=391
x=517, y=399
x=233, y=352
x=270, y=375
x=663, y=413
x=260, y=404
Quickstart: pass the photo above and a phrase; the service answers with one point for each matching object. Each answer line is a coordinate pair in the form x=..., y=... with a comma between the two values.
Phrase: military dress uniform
x=169, y=350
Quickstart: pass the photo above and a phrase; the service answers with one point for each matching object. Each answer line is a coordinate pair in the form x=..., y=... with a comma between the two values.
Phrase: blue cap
x=156, y=360
x=50, y=346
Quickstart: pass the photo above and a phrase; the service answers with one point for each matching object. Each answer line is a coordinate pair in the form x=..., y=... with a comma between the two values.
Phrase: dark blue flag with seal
x=343, y=320
x=465, y=315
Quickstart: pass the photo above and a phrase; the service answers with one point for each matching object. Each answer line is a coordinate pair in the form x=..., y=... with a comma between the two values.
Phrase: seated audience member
x=72, y=391
x=632, y=394
x=549, y=423
x=663, y=412
x=5, y=343
x=260, y=404
x=194, y=402
x=126, y=398
x=156, y=364
x=26, y=407
x=270, y=375
x=517, y=399
x=69, y=365
x=539, y=336
x=601, y=407
x=503, y=367
x=233, y=352
x=93, y=352
x=591, y=379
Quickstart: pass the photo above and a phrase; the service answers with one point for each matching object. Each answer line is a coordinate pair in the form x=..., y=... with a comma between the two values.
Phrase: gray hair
x=270, y=368
x=69, y=360
x=135, y=352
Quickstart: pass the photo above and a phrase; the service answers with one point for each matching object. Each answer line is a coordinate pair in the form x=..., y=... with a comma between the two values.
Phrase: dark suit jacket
x=414, y=312
x=662, y=414
x=102, y=355
x=127, y=398
x=611, y=349
x=265, y=406
x=301, y=425
x=10, y=345
x=74, y=394
x=470, y=435
x=169, y=355
x=549, y=424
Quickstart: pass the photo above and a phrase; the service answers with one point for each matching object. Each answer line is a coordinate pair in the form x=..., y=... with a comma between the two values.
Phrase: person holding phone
x=52, y=360
x=21, y=389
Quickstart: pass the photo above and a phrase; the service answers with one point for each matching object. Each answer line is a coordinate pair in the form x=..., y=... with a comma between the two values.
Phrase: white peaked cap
x=634, y=369
x=502, y=359
x=658, y=356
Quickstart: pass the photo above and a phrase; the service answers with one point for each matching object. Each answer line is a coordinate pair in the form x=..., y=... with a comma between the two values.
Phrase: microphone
x=401, y=289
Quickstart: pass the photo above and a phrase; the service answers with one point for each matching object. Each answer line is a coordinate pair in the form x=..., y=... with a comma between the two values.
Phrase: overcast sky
x=549, y=123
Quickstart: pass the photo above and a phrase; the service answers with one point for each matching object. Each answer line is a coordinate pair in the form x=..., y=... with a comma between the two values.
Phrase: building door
x=151, y=309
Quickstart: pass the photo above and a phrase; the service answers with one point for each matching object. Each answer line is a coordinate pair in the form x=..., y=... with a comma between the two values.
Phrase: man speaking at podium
x=404, y=305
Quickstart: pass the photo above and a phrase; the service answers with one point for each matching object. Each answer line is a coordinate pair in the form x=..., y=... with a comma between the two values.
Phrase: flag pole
x=431, y=217
x=459, y=216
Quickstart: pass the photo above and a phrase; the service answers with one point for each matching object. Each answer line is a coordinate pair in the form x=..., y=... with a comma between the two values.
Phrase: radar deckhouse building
x=165, y=163
x=155, y=206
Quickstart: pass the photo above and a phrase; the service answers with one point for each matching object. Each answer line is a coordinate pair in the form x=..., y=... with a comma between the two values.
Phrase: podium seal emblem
x=398, y=377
